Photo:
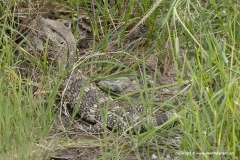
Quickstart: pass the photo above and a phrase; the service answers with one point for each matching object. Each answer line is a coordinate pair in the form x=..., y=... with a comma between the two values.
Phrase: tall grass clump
x=25, y=116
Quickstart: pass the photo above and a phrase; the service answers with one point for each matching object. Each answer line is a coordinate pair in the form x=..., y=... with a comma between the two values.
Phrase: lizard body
x=93, y=105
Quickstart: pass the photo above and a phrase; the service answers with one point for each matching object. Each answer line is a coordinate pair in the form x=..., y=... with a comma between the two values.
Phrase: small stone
x=161, y=118
x=115, y=85
x=154, y=157
x=168, y=156
x=152, y=61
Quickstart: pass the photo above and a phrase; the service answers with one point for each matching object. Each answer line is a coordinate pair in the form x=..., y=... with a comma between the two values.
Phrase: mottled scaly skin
x=93, y=105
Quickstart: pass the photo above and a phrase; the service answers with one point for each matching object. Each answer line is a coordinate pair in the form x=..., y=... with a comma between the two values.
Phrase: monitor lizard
x=93, y=105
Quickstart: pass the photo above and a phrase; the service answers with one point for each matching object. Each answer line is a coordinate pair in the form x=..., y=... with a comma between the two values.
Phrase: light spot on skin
x=102, y=100
x=117, y=107
x=92, y=110
x=87, y=89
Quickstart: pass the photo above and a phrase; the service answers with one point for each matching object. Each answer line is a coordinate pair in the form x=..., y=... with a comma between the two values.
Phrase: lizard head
x=52, y=28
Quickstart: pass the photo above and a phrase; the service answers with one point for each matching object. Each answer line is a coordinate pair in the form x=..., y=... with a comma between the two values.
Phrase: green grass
x=204, y=42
